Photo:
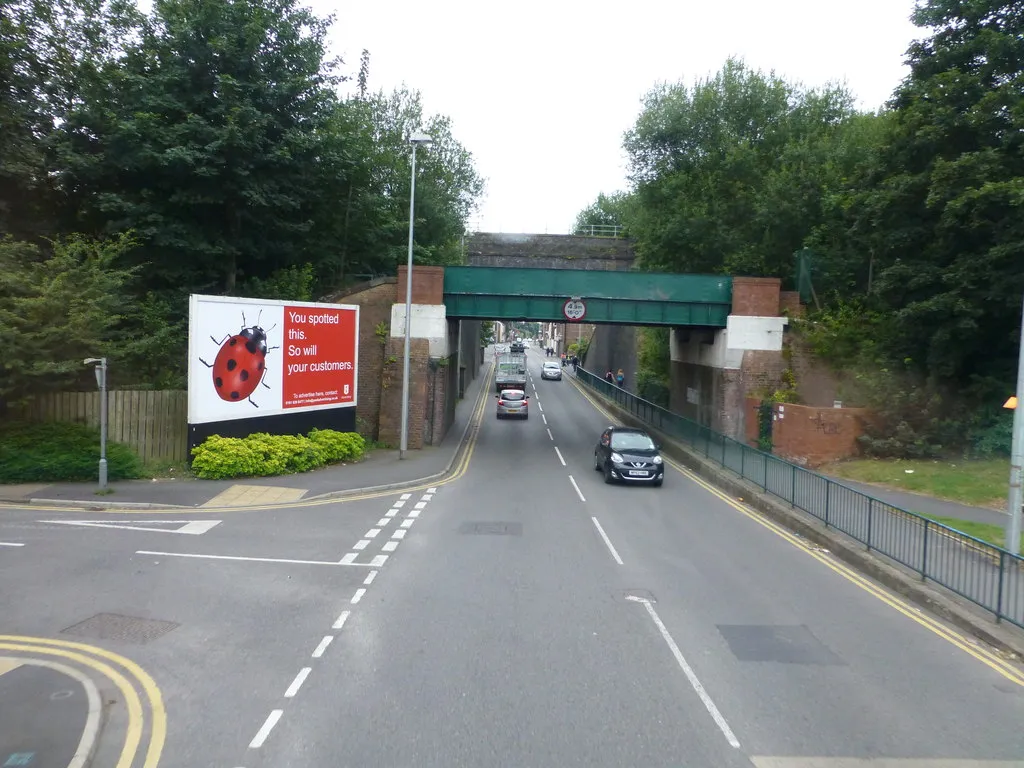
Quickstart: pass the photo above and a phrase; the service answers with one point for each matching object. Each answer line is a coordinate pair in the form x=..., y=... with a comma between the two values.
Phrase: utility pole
x=101, y=381
x=1017, y=454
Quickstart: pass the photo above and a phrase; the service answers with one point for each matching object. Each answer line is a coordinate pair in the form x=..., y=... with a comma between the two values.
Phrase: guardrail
x=985, y=574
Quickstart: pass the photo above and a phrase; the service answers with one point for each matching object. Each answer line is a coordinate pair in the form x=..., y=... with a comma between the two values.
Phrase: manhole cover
x=492, y=529
x=127, y=629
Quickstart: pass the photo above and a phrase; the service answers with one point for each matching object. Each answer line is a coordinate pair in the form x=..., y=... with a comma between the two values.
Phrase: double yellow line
x=985, y=656
x=118, y=670
x=457, y=471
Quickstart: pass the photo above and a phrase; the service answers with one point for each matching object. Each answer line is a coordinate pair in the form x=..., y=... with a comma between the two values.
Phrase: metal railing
x=598, y=230
x=983, y=573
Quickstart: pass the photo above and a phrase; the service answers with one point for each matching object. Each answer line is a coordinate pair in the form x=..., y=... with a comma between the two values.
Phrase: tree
x=606, y=211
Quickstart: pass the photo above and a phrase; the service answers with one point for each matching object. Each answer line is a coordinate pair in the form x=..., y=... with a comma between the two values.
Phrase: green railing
x=985, y=574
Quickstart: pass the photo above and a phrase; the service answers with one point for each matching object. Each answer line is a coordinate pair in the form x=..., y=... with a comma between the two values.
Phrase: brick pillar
x=391, y=391
x=789, y=304
x=756, y=296
x=427, y=285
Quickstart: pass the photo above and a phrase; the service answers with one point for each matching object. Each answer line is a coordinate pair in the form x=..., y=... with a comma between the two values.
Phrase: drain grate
x=127, y=629
x=491, y=529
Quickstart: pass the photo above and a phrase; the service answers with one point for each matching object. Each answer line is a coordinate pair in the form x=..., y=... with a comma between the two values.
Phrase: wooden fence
x=154, y=424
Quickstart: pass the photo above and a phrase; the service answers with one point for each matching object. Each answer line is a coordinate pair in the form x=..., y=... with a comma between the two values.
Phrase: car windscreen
x=551, y=366
x=512, y=395
x=631, y=441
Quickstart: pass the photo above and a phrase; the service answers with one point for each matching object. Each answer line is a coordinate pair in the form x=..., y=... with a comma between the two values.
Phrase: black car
x=629, y=455
x=518, y=346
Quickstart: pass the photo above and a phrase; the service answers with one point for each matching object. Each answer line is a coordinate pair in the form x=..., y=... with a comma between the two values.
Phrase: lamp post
x=1016, y=495
x=416, y=139
x=101, y=380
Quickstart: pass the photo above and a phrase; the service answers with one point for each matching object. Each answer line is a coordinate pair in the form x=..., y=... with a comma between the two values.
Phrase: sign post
x=1016, y=494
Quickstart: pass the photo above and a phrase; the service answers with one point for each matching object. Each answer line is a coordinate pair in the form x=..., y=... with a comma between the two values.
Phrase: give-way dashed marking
x=191, y=527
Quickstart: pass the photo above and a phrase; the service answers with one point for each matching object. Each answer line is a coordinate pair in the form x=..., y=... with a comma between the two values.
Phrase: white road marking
x=340, y=621
x=246, y=559
x=10, y=544
x=550, y=435
x=578, y=491
x=540, y=406
x=431, y=490
x=408, y=523
x=690, y=675
x=358, y=595
x=297, y=682
x=426, y=497
x=192, y=527
x=389, y=546
x=607, y=541
x=420, y=505
x=348, y=559
x=399, y=534
x=559, y=455
x=391, y=513
x=383, y=521
x=379, y=560
x=319, y=651
x=545, y=418
x=372, y=533
x=399, y=503
x=370, y=577
x=265, y=729
x=405, y=496
x=415, y=513
x=877, y=762
x=361, y=544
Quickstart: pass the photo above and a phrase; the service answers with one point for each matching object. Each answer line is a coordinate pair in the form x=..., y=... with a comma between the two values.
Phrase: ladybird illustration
x=241, y=363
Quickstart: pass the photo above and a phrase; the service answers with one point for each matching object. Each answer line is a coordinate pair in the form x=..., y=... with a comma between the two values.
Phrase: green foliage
x=262, y=455
x=293, y=283
x=607, y=210
x=58, y=451
x=58, y=306
x=486, y=333
x=653, y=365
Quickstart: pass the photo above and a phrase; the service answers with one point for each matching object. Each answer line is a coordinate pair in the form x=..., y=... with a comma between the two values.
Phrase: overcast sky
x=541, y=92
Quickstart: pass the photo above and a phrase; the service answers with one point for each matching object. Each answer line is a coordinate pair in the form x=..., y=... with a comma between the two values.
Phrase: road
x=524, y=614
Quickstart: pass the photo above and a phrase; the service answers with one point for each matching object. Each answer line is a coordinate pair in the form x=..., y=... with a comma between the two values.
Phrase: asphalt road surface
x=523, y=614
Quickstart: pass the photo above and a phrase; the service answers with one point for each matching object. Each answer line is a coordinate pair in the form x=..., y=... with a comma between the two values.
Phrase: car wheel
x=608, y=475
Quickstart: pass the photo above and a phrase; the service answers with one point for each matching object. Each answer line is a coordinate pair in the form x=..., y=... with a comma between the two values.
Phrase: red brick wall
x=789, y=304
x=427, y=285
x=391, y=392
x=809, y=436
x=375, y=302
x=756, y=296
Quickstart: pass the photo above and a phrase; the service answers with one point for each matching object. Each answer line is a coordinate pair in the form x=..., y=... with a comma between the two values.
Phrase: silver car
x=551, y=371
x=513, y=402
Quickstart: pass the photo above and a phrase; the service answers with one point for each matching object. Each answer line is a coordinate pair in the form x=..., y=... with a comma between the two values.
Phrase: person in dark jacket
x=609, y=377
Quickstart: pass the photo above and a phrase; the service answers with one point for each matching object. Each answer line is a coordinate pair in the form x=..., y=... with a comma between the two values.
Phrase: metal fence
x=985, y=574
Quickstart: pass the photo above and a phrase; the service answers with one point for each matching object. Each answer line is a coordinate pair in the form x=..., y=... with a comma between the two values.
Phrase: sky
x=541, y=92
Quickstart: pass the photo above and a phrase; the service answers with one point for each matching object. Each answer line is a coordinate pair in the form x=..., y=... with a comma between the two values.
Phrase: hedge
x=60, y=451
x=262, y=455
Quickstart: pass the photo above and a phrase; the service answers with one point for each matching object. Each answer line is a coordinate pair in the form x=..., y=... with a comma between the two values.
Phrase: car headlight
x=657, y=459
x=616, y=458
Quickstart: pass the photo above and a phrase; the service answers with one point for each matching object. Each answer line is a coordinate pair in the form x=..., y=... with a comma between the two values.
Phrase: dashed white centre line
x=389, y=546
x=372, y=533
x=550, y=435
x=10, y=544
x=370, y=577
x=545, y=418
x=361, y=544
x=559, y=455
x=607, y=541
x=540, y=406
x=578, y=491
x=340, y=621
x=399, y=534
x=358, y=595
x=265, y=729
x=297, y=682
x=408, y=523
x=319, y=651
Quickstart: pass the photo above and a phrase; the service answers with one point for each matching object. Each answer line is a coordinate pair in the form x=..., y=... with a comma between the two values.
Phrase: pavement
x=380, y=468
x=519, y=612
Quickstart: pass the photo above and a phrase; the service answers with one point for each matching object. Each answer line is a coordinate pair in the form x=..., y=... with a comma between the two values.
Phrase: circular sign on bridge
x=574, y=309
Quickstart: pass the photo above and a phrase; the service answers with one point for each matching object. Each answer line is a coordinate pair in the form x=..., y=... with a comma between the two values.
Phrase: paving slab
x=380, y=467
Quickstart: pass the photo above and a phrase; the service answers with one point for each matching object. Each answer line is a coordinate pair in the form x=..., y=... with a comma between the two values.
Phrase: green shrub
x=59, y=451
x=262, y=454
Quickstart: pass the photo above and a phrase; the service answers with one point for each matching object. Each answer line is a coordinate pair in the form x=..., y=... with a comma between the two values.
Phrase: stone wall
x=486, y=249
x=809, y=436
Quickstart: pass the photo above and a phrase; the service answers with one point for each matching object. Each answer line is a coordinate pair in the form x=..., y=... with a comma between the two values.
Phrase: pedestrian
x=609, y=377
x=620, y=379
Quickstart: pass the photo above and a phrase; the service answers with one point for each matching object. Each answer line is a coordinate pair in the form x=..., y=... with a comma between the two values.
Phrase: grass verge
x=977, y=483
x=993, y=534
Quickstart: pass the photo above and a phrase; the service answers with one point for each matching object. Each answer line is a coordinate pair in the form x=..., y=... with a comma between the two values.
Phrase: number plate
x=637, y=473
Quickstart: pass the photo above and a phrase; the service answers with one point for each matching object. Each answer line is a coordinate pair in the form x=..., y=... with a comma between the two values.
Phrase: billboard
x=250, y=358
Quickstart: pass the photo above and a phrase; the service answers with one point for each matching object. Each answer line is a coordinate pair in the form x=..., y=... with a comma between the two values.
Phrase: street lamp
x=416, y=139
x=101, y=380
x=1017, y=454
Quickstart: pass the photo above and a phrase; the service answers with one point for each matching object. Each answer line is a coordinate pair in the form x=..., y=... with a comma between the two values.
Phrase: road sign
x=191, y=527
x=574, y=309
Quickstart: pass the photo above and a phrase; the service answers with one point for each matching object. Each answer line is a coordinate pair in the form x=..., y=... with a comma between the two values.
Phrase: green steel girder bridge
x=610, y=297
